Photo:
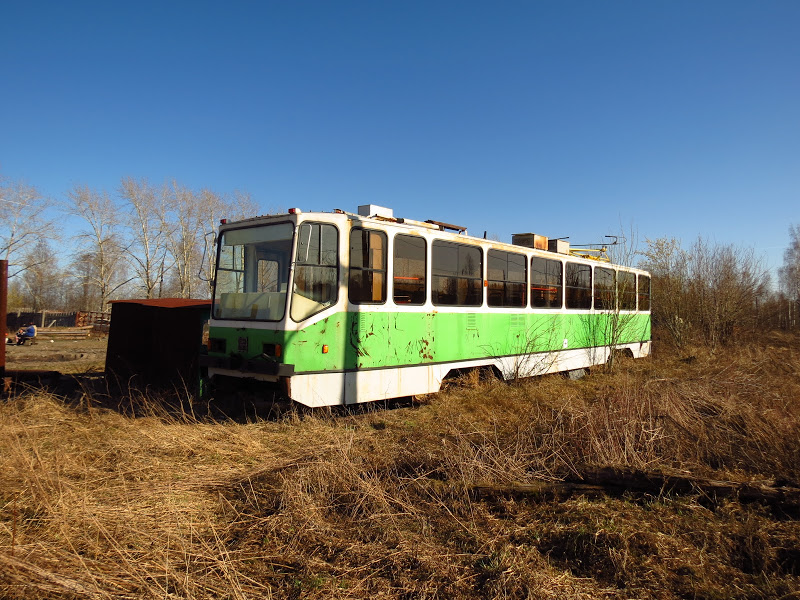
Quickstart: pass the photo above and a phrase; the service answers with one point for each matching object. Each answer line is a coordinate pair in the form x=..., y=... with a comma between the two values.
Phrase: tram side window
x=367, y=281
x=579, y=286
x=316, y=273
x=644, y=292
x=626, y=288
x=409, y=269
x=546, y=283
x=507, y=274
x=604, y=289
x=456, y=274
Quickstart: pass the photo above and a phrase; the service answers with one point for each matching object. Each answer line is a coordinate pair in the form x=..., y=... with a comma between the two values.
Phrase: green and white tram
x=341, y=308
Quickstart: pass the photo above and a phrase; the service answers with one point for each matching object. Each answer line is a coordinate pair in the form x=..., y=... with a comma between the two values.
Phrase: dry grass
x=96, y=503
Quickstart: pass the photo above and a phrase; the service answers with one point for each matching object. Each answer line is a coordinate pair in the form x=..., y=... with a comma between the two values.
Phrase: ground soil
x=69, y=357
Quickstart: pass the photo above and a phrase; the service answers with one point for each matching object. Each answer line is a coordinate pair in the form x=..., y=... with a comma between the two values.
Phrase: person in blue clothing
x=26, y=333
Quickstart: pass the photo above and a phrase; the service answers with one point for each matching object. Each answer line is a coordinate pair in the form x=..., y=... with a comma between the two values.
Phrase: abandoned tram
x=342, y=308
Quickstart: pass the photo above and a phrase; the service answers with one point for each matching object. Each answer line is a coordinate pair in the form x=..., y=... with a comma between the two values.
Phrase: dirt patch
x=66, y=356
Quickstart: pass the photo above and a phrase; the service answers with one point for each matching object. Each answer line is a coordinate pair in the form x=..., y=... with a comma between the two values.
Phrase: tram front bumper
x=252, y=365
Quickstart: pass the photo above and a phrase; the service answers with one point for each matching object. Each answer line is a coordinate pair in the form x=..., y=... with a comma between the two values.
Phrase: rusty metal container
x=156, y=344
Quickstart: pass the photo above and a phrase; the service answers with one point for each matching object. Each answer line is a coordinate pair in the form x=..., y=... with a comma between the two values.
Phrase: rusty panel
x=530, y=240
x=156, y=343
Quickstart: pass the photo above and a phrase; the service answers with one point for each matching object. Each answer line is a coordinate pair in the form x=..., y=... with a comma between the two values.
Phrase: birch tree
x=23, y=212
x=99, y=241
x=789, y=273
x=182, y=223
x=146, y=249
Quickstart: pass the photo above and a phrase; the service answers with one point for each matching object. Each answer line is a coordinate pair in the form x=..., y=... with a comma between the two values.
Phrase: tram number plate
x=243, y=344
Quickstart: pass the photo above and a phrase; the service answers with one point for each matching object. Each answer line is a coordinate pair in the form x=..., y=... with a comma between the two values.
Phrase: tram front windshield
x=253, y=273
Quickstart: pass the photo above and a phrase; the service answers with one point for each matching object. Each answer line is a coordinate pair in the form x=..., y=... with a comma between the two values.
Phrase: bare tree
x=41, y=281
x=214, y=207
x=99, y=241
x=725, y=286
x=182, y=222
x=78, y=287
x=23, y=212
x=668, y=264
x=146, y=248
x=789, y=273
x=188, y=223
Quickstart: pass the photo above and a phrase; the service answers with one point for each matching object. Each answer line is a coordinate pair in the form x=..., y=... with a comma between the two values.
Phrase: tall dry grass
x=98, y=503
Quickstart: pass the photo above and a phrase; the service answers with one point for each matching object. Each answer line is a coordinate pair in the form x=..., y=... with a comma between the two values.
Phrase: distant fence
x=52, y=318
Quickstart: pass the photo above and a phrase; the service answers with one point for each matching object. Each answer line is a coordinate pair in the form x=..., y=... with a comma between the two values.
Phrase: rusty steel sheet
x=165, y=302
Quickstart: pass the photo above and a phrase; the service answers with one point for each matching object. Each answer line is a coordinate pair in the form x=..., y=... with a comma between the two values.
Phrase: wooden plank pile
x=63, y=333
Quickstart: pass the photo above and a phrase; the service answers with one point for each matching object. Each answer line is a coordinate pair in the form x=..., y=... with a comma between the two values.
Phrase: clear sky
x=569, y=118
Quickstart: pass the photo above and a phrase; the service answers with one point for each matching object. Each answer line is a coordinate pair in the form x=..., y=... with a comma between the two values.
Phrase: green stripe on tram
x=366, y=340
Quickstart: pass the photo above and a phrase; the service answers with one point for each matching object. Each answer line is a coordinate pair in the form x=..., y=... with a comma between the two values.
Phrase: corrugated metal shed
x=156, y=343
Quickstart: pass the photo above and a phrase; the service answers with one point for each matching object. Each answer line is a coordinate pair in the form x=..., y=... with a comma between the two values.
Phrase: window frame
x=626, y=294
x=583, y=292
x=601, y=288
x=506, y=281
x=368, y=269
x=545, y=285
x=298, y=266
x=458, y=277
x=424, y=278
x=236, y=276
x=640, y=294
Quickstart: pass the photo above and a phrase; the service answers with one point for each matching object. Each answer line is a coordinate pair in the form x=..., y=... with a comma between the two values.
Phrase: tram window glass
x=579, y=286
x=367, y=281
x=546, y=283
x=267, y=274
x=409, y=269
x=644, y=292
x=316, y=273
x=626, y=288
x=253, y=272
x=456, y=274
x=604, y=288
x=507, y=274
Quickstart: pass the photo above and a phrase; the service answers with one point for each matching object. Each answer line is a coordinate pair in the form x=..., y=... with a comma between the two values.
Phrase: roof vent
x=560, y=246
x=373, y=210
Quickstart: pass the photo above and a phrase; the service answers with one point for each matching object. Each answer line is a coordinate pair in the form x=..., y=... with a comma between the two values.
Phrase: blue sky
x=571, y=118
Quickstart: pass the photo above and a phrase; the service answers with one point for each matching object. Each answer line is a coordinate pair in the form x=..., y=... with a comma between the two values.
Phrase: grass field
x=151, y=500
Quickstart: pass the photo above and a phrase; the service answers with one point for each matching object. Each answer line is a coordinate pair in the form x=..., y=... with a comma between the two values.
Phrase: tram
x=342, y=308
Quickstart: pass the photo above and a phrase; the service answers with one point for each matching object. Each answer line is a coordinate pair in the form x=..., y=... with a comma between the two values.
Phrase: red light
x=295, y=211
x=223, y=221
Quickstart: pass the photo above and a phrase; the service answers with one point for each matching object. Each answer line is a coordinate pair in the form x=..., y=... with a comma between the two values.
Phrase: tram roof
x=444, y=231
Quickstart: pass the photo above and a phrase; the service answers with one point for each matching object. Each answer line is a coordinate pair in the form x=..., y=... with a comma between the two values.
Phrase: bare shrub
x=710, y=292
